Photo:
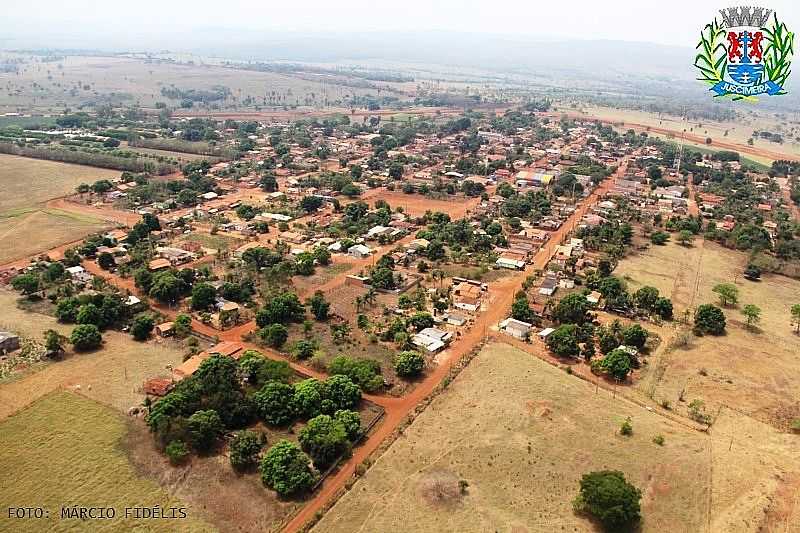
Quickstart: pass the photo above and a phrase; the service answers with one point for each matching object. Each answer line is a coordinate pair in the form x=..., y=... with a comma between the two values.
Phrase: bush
x=409, y=364
x=86, y=337
x=244, y=449
x=607, y=496
x=285, y=469
x=659, y=439
x=177, y=451
x=303, y=349
x=626, y=428
x=617, y=363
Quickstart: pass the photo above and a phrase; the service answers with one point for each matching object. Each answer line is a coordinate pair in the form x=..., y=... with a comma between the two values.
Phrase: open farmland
x=27, y=184
x=744, y=369
x=76, y=80
x=508, y=425
x=64, y=450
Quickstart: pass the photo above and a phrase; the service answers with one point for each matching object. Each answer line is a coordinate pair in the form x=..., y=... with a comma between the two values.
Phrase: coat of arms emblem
x=746, y=54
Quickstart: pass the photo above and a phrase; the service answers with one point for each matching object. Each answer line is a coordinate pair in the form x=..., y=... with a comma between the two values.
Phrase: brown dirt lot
x=416, y=205
x=521, y=433
x=744, y=369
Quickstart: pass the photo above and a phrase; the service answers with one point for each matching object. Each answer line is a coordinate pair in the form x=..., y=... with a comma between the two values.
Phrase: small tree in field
x=244, y=449
x=728, y=294
x=796, y=317
x=752, y=315
x=709, y=319
x=685, y=237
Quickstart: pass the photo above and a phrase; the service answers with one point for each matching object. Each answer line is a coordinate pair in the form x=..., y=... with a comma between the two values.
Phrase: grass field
x=745, y=369
x=64, y=450
x=28, y=183
x=521, y=433
x=26, y=225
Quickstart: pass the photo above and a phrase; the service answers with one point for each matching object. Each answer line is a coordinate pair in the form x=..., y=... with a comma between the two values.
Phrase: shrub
x=177, y=451
x=658, y=439
x=607, y=496
x=626, y=428
x=285, y=469
x=142, y=326
x=366, y=373
x=617, y=363
x=351, y=421
x=339, y=392
x=274, y=335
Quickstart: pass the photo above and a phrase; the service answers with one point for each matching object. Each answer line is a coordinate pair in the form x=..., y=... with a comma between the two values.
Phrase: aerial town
x=426, y=312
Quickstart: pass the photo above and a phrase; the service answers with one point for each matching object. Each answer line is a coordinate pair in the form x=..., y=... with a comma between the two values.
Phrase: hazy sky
x=676, y=22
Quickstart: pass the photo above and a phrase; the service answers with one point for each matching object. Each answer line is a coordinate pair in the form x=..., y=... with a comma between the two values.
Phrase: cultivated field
x=112, y=375
x=64, y=450
x=521, y=433
x=744, y=369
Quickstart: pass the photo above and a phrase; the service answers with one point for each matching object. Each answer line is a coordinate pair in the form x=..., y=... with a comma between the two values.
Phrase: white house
x=359, y=251
x=516, y=328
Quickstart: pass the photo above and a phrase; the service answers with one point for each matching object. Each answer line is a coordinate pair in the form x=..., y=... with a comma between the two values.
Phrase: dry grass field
x=738, y=132
x=26, y=225
x=112, y=375
x=28, y=183
x=415, y=204
x=748, y=370
x=81, y=79
x=65, y=450
x=521, y=433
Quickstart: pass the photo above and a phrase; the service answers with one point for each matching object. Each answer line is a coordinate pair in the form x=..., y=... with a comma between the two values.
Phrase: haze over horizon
x=188, y=26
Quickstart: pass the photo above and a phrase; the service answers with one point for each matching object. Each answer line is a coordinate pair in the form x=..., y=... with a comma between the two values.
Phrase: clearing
x=746, y=369
x=521, y=433
x=416, y=205
x=64, y=450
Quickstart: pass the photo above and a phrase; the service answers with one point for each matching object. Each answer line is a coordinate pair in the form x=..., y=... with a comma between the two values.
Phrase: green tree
x=283, y=308
x=67, y=309
x=319, y=306
x=89, y=314
x=26, y=283
x=521, y=309
x=106, y=261
x=659, y=237
x=274, y=335
x=244, y=449
x=617, y=363
x=572, y=309
x=285, y=469
x=663, y=307
x=634, y=335
x=795, y=314
x=339, y=392
x=275, y=403
x=176, y=451
x=564, y=341
x=85, y=337
x=646, y=297
x=607, y=496
x=409, y=364
x=420, y=321
x=710, y=319
x=203, y=295
x=366, y=373
x=204, y=429
x=351, y=421
x=685, y=237
x=304, y=349
x=309, y=204
x=142, y=326
x=324, y=439
x=166, y=287
x=752, y=314
x=728, y=294
x=54, y=342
